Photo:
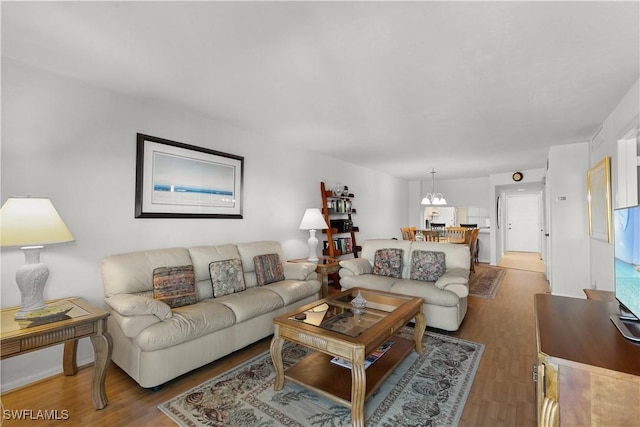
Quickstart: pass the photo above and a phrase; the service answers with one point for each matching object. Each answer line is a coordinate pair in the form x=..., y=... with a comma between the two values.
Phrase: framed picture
x=176, y=180
x=599, y=197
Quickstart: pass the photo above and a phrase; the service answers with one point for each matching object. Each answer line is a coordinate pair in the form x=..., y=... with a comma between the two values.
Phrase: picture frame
x=177, y=180
x=599, y=199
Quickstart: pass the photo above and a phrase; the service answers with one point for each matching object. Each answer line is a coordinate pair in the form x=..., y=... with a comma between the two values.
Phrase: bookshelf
x=340, y=237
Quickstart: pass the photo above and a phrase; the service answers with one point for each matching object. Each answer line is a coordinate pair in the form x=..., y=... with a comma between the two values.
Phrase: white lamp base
x=31, y=278
x=313, y=246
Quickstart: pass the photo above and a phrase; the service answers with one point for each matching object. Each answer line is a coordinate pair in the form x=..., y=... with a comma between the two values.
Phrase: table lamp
x=312, y=221
x=31, y=223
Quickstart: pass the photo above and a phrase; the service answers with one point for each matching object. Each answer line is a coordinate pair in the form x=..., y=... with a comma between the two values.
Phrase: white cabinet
x=484, y=247
x=627, y=173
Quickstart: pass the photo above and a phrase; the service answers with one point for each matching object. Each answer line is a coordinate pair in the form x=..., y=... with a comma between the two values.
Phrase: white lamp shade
x=31, y=221
x=313, y=220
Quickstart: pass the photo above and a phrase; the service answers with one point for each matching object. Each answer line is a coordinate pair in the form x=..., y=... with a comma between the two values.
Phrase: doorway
x=523, y=223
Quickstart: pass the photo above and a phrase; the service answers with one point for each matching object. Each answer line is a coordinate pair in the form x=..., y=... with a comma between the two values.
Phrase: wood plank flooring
x=502, y=393
x=530, y=261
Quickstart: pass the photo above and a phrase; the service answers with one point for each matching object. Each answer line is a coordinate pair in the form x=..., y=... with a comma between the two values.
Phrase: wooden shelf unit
x=343, y=210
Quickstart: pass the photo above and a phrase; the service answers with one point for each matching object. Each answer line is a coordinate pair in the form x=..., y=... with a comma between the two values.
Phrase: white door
x=523, y=223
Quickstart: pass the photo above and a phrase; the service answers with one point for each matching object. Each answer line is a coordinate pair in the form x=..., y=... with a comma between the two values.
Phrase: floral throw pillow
x=388, y=262
x=175, y=286
x=227, y=277
x=427, y=266
x=268, y=269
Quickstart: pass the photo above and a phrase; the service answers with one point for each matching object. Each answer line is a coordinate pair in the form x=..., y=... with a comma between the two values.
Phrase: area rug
x=484, y=283
x=426, y=390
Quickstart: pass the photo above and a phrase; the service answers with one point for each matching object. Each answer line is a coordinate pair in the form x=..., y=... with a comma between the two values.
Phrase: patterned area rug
x=484, y=283
x=427, y=390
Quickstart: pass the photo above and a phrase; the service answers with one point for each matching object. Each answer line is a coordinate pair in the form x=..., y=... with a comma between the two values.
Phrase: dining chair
x=473, y=248
x=457, y=234
x=469, y=226
x=407, y=234
x=431, y=235
x=439, y=226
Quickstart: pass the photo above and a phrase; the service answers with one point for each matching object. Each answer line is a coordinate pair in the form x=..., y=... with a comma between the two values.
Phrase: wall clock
x=517, y=176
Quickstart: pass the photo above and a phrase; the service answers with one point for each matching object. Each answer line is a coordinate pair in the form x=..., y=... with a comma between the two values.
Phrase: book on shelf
x=339, y=206
x=377, y=354
x=348, y=244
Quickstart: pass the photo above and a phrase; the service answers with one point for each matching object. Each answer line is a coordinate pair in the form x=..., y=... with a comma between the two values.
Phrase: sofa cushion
x=202, y=257
x=372, y=245
x=227, y=277
x=388, y=262
x=427, y=266
x=294, y=290
x=457, y=254
x=187, y=323
x=268, y=269
x=175, y=286
x=369, y=281
x=300, y=270
x=252, y=303
x=249, y=250
x=133, y=272
x=427, y=291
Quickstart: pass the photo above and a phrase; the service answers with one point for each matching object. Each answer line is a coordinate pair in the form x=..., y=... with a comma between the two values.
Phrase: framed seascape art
x=599, y=198
x=176, y=180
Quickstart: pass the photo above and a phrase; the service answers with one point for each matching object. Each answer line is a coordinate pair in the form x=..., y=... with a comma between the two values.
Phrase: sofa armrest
x=300, y=270
x=137, y=305
x=455, y=280
x=131, y=326
x=355, y=267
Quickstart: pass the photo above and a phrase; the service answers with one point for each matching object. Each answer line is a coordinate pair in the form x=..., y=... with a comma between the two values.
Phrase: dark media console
x=587, y=373
x=628, y=326
x=625, y=321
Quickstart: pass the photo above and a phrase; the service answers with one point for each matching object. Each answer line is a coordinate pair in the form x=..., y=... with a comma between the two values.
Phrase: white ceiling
x=468, y=88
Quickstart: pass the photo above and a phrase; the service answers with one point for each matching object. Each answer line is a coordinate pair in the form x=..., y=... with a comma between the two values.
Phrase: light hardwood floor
x=530, y=261
x=502, y=393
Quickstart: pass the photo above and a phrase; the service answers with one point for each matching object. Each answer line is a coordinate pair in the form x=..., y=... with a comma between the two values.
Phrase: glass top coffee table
x=333, y=327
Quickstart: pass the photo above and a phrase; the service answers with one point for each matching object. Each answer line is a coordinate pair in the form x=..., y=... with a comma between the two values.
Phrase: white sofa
x=445, y=300
x=154, y=343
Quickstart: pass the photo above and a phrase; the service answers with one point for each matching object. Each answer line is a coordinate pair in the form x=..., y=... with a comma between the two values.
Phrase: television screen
x=627, y=258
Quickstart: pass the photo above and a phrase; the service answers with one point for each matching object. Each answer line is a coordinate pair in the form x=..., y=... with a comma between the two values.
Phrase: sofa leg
x=156, y=388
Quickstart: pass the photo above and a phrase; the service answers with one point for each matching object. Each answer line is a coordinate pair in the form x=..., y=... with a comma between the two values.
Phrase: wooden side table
x=324, y=267
x=83, y=320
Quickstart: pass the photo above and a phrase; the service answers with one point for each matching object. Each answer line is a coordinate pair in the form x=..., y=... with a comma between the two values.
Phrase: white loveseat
x=154, y=343
x=445, y=299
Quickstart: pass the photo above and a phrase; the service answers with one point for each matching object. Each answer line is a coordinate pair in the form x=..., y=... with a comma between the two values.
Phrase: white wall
x=569, y=228
x=458, y=192
x=76, y=144
x=622, y=119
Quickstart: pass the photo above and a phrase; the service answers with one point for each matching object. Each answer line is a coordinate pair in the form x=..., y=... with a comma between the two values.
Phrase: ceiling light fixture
x=434, y=198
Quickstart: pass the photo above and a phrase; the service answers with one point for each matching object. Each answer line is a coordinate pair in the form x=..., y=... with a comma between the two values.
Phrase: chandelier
x=434, y=198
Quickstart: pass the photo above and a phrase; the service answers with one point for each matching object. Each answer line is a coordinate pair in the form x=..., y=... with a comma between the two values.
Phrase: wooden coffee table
x=333, y=329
